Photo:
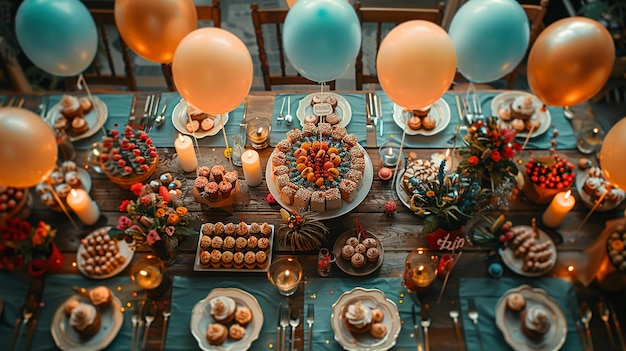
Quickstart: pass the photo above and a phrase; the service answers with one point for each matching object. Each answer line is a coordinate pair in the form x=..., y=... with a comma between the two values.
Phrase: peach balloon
x=570, y=61
x=212, y=69
x=613, y=153
x=153, y=28
x=27, y=162
x=412, y=76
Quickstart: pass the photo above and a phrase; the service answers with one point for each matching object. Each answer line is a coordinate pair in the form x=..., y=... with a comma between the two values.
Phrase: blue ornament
x=496, y=270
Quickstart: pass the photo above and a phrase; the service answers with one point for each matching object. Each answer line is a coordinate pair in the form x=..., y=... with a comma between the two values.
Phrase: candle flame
x=567, y=194
x=447, y=153
x=180, y=137
x=73, y=193
x=249, y=153
x=390, y=152
x=570, y=268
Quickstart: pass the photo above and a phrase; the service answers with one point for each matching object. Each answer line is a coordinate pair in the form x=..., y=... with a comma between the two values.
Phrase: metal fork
x=425, y=323
x=284, y=323
x=454, y=314
x=19, y=326
x=473, y=315
x=136, y=319
x=167, y=312
x=310, y=319
x=149, y=319
x=294, y=322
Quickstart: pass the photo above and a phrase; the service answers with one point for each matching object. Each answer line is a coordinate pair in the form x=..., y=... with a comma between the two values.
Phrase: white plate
x=366, y=184
x=179, y=119
x=201, y=318
x=590, y=201
x=510, y=324
x=372, y=298
x=125, y=251
x=66, y=338
x=94, y=120
x=440, y=111
x=503, y=100
x=516, y=263
x=346, y=266
x=343, y=110
x=85, y=183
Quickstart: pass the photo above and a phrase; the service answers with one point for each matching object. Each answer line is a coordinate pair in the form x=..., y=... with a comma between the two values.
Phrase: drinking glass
x=589, y=137
x=285, y=274
x=238, y=150
x=258, y=132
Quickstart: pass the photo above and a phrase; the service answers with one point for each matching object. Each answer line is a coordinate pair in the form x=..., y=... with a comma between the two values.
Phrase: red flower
x=508, y=135
x=508, y=152
x=473, y=160
x=124, y=205
x=495, y=156
x=136, y=188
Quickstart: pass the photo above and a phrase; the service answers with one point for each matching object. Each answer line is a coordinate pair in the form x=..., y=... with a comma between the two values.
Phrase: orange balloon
x=26, y=163
x=570, y=61
x=212, y=69
x=410, y=75
x=613, y=153
x=153, y=28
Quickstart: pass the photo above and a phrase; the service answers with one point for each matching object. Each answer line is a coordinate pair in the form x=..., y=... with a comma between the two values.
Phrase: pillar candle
x=251, y=164
x=85, y=208
x=186, y=153
x=560, y=206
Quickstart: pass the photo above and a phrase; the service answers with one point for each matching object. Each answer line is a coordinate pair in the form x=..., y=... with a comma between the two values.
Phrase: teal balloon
x=58, y=36
x=490, y=38
x=321, y=38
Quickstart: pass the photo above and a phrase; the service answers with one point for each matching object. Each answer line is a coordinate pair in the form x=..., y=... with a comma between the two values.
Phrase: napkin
x=324, y=292
x=13, y=291
x=188, y=292
x=560, y=290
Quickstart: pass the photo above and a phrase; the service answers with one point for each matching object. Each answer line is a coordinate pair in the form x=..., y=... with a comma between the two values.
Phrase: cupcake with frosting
x=358, y=318
x=522, y=107
x=85, y=319
x=223, y=309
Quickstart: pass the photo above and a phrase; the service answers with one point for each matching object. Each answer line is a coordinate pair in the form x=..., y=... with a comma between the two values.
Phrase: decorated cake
x=320, y=162
x=416, y=172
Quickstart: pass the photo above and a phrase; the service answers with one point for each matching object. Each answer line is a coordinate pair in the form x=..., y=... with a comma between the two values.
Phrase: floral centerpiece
x=22, y=246
x=489, y=152
x=128, y=158
x=153, y=219
x=446, y=202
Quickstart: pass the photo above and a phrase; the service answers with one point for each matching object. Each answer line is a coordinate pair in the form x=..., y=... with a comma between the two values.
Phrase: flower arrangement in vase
x=22, y=246
x=489, y=152
x=128, y=158
x=153, y=219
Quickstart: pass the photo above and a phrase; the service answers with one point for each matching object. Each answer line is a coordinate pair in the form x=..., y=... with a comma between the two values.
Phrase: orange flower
x=173, y=219
x=160, y=212
x=181, y=211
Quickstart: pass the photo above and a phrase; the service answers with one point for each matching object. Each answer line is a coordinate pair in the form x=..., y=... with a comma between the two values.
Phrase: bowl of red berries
x=546, y=176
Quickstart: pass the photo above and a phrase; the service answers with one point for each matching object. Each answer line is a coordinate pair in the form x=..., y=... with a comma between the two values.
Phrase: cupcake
x=253, y=242
x=358, y=318
x=216, y=333
x=372, y=254
x=243, y=315
x=360, y=248
x=231, y=177
x=218, y=229
x=217, y=242
x=249, y=260
x=515, y=302
x=261, y=259
x=205, y=242
x=266, y=230
x=216, y=258
x=223, y=309
x=255, y=228
x=207, y=228
x=236, y=332
x=70, y=107
x=85, y=319
x=225, y=188
x=204, y=171
x=100, y=296
x=238, y=260
x=242, y=229
x=377, y=315
x=217, y=172
x=352, y=241
x=200, y=183
x=369, y=242
x=70, y=305
x=227, y=259
x=229, y=229
x=263, y=244
x=229, y=243
x=522, y=107
x=205, y=258
x=211, y=190
x=535, y=321
x=347, y=251
x=72, y=178
x=378, y=330
x=357, y=260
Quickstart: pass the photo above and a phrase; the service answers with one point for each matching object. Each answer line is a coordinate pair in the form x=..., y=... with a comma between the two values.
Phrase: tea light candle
x=186, y=153
x=389, y=154
x=85, y=208
x=560, y=206
x=251, y=164
x=423, y=276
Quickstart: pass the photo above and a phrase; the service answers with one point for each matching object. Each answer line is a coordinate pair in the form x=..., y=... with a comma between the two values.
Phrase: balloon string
x=61, y=204
x=395, y=172
x=225, y=137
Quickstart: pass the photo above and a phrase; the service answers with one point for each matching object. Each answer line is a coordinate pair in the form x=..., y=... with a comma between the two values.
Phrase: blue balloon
x=322, y=38
x=58, y=36
x=490, y=38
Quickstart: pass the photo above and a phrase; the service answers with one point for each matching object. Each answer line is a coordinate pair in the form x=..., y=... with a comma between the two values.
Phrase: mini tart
x=429, y=123
x=377, y=315
x=216, y=333
x=236, y=332
x=100, y=296
x=414, y=123
x=515, y=302
x=378, y=330
x=243, y=315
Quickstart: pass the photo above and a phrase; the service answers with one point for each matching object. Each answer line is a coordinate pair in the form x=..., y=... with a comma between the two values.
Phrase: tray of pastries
x=234, y=247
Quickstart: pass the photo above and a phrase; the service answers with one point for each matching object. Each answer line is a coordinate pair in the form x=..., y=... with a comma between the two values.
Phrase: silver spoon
x=288, y=117
x=585, y=317
x=604, y=312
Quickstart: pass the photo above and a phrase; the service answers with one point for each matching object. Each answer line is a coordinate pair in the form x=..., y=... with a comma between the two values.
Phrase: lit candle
x=423, y=276
x=560, y=206
x=85, y=208
x=389, y=154
x=251, y=164
x=186, y=153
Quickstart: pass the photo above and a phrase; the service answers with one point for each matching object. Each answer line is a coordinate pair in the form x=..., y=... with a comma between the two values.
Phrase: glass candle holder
x=149, y=273
x=258, y=132
x=324, y=262
x=389, y=154
x=285, y=274
x=420, y=270
x=589, y=137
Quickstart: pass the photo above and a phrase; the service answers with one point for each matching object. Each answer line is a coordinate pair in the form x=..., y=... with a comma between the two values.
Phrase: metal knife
x=370, y=129
x=131, y=115
x=416, y=328
x=278, y=327
x=33, y=325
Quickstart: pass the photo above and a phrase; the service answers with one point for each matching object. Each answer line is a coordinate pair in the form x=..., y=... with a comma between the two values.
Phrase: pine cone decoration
x=302, y=231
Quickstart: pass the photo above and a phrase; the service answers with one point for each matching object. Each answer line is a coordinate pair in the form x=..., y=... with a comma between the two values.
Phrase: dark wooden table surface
x=400, y=233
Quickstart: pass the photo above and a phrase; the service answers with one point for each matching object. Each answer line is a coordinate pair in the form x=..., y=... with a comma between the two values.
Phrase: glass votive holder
x=285, y=274
x=238, y=149
x=258, y=132
x=324, y=262
x=93, y=158
x=589, y=137
x=420, y=270
x=389, y=154
x=149, y=273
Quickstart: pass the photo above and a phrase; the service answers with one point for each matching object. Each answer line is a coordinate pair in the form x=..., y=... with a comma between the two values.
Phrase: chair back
x=211, y=13
x=384, y=19
x=111, y=74
x=269, y=22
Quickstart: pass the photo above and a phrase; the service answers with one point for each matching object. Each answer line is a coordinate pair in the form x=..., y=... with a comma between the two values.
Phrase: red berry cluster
x=505, y=231
x=552, y=172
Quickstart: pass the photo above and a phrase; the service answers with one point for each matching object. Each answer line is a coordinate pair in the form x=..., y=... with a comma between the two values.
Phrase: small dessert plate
x=440, y=111
x=509, y=322
x=343, y=110
x=503, y=100
x=95, y=118
x=346, y=266
x=516, y=264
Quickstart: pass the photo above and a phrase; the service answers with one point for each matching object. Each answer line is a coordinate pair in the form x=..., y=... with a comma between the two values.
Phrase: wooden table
x=399, y=233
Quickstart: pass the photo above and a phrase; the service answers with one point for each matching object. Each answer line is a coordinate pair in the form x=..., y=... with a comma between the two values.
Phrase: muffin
x=261, y=259
x=100, y=296
x=207, y=228
x=85, y=319
x=236, y=332
x=242, y=229
x=535, y=321
x=205, y=242
x=216, y=333
x=238, y=260
x=227, y=259
x=205, y=258
x=253, y=242
x=255, y=228
x=218, y=229
x=223, y=309
x=515, y=302
x=241, y=243
x=249, y=260
x=266, y=230
x=229, y=243
x=217, y=172
x=243, y=315
x=264, y=244
x=358, y=318
x=229, y=229
x=216, y=258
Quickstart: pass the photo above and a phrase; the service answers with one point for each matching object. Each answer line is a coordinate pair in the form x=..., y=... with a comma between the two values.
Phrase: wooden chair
x=265, y=18
x=385, y=18
x=211, y=13
x=113, y=77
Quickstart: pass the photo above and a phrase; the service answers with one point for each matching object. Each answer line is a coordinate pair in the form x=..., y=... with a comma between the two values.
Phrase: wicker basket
x=127, y=181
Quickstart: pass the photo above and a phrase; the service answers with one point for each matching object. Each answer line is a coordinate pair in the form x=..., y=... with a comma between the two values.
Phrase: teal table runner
x=324, y=292
x=486, y=299
x=187, y=292
x=57, y=289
